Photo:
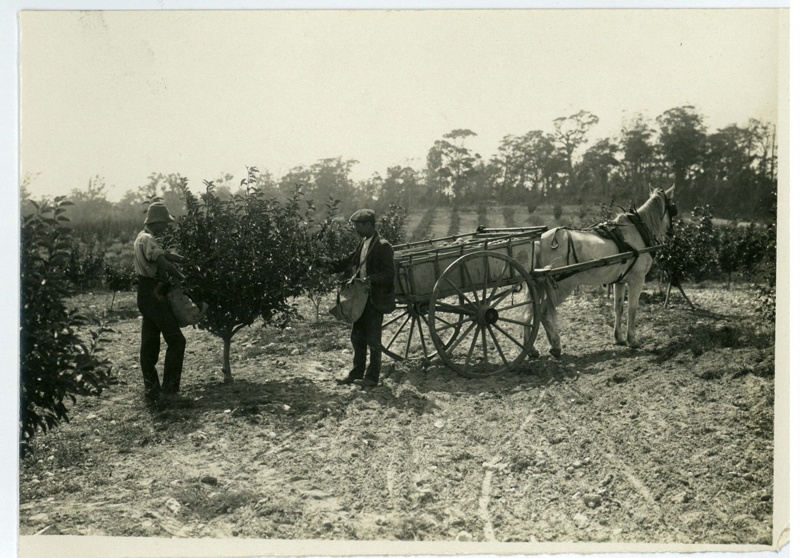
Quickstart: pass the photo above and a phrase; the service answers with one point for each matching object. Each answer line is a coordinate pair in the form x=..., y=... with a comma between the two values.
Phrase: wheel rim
x=480, y=295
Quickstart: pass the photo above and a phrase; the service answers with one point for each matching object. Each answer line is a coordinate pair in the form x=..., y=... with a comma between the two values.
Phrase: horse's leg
x=634, y=290
x=527, y=317
x=550, y=324
x=619, y=299
x=550, y=316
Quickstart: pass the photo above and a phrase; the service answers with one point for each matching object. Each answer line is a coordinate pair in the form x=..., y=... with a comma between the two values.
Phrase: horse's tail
x=550, y=295
x=545, y=285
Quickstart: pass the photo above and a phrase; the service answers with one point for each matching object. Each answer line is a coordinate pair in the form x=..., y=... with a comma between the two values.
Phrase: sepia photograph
x=402, y=281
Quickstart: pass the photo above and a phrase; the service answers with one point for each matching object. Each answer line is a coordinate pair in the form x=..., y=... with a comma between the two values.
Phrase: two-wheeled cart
x=472, y=299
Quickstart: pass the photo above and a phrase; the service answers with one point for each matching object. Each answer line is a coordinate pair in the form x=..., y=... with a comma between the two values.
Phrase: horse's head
x=667, y=210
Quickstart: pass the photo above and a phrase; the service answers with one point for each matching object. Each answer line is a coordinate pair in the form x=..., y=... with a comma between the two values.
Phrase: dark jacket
x=380, y=271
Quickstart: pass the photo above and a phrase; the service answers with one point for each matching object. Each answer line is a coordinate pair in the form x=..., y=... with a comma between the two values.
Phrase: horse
x=632, y=231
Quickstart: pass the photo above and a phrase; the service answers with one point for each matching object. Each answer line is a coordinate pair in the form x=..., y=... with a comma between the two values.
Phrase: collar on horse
x=637, y=222
x=612, y=232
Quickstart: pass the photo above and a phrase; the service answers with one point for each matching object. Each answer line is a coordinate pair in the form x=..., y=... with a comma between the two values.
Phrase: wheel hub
x=488, y=316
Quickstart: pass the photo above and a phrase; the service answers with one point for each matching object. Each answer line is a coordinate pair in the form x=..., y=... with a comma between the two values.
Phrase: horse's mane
x=651, y=213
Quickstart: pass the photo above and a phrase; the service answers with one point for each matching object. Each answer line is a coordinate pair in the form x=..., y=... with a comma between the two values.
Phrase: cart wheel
x=485, y=297
x=404, y=333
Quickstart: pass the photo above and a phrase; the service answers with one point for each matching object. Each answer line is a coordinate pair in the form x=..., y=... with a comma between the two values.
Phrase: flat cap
x=363, y=216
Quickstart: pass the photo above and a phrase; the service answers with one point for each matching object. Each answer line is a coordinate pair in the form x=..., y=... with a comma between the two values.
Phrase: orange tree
x=333, y=238
x=56, y=364
x=253, y=255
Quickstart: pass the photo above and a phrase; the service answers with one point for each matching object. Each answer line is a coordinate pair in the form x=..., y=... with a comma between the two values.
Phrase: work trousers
x=158, y=320
x=366, y=334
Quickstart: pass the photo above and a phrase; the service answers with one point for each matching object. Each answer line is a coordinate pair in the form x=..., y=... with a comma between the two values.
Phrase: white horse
x=644, y=227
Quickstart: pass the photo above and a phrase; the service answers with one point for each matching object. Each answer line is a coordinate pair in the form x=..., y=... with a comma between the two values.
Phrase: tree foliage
x=331, y=238
x=682, y=141
x=452, y=164
x=56, y=364
x=252, y=256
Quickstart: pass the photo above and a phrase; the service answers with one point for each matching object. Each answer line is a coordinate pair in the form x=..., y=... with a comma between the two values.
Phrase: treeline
x=733, y=169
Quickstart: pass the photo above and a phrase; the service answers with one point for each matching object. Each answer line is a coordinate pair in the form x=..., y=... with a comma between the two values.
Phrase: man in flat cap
x=373, y=260
x=155, y=268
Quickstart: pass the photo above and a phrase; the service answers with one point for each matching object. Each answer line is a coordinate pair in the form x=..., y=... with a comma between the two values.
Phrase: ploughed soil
x=670, y=443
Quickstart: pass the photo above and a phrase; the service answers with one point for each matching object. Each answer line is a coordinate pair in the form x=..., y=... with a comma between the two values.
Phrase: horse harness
x=610, y=231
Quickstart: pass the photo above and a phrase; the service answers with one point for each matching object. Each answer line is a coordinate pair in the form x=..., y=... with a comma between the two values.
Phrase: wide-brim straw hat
x=158, y=213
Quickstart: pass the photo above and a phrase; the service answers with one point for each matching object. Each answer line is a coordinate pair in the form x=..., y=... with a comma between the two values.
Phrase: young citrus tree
x=391, y=224
x=55, y=363
x=252, y=256
x=332, y=238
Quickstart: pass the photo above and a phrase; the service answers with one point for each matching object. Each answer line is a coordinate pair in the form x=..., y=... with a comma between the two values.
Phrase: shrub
x=508, y=216
x=332, y=239
x=252, y=256
x=55, y=363
x=85, y=264
x=691, y=252
x=482, y=214
x=391, y=225
x=741, y=249
x=766, y=290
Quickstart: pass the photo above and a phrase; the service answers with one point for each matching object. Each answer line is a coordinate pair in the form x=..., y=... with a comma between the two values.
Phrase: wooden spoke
x=477, y=322
x=501, y=330
x=399, y=330
x=471, y=348
x=458, y=290
x=502, y=274
x=499, y=347
x=406, y=332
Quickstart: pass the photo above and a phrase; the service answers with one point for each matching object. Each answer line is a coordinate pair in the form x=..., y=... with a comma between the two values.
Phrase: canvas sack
x=186, y=312
x=350, y=300
x=353, y=294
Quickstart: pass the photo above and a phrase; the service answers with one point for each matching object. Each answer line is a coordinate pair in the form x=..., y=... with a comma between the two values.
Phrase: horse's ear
x=650, y=186
x=669, y=192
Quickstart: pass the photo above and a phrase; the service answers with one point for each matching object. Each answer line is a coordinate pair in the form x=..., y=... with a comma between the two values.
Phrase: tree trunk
x=686, y=297
x=227, y=377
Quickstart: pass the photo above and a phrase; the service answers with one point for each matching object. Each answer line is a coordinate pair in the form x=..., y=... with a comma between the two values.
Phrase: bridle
x=669, y=208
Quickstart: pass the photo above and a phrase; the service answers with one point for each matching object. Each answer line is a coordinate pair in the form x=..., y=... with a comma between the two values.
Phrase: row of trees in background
x=733, y=169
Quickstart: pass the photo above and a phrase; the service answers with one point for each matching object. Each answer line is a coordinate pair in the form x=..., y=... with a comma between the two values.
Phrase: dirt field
x=672, y=443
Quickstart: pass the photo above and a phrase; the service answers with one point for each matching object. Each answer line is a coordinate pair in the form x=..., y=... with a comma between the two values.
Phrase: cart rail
x=416, y=271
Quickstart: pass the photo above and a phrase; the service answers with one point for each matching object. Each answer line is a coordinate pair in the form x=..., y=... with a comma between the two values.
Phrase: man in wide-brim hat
x=154, y=268
x=372, y=261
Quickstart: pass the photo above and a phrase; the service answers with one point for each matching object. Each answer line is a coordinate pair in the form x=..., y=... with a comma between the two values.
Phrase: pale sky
x=125, y=94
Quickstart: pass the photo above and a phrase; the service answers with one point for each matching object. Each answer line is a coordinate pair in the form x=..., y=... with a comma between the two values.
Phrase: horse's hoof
x=620, y=343
x=533, y=354
x=227, y=378
x=556, y=353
